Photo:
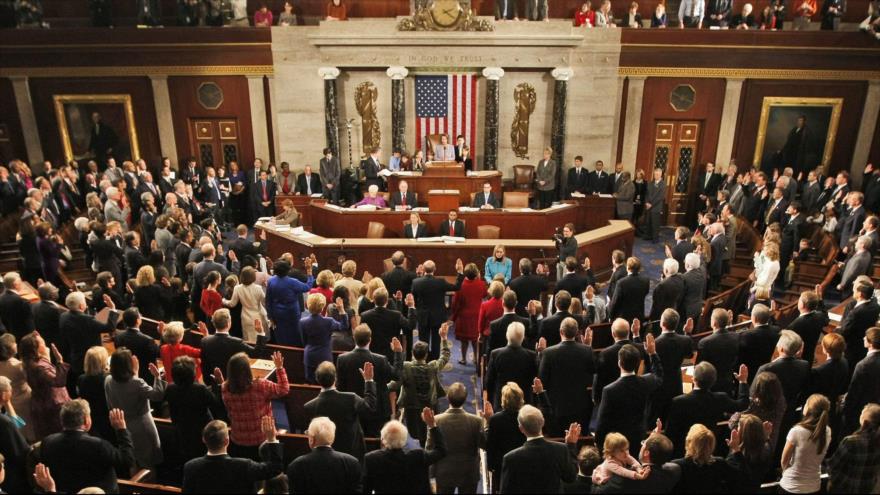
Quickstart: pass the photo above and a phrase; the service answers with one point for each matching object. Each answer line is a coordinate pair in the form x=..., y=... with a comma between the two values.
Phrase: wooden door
x=214, y=142
x=676, y=144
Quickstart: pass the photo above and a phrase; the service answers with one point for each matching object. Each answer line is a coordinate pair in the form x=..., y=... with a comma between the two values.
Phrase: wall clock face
x=446, y=13
x=682, y=98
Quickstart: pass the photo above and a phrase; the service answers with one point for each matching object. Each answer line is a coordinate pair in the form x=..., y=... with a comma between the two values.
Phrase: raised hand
x=689, y=326
x=43, y=478
x=108, y=302
x=537, y=386
x=55, y=354
x=586, y=263
x=367, y=371
x=396, y=346
x=278, y=360
x=869, y=168
x=258, y=326
x=410, y=301
x=650, y=347
x=531, y=307
x=459, y=265
x=541, y=345
x=636, y=327
x=154, y=370
x=667, y=251
x=768, y=428
x=588, y=337
x=267, y=426
x=734, y=442
x=117, y=419
x=428, y=417
x=658, y=427
x=218, y=376
x=340, y=304
x=488, y=411
x=366, y=277
x=203, y=328
x=444, y=330
x=573, y=433
x=743, y=375
x=160, y=327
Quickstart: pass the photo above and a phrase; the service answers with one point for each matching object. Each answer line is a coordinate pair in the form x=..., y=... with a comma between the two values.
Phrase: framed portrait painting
x=97, y=127
x=796, y=132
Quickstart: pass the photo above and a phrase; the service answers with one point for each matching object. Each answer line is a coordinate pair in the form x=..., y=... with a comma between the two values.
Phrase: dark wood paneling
x=12, y=145
x=754, y=91
x=623, y=101
x=874, y=157
x=140, y=89
x=236, y=104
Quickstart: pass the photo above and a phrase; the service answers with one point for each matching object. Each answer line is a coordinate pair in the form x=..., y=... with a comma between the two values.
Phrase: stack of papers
x=366, y=207
x=384, y=173
x=263, y=364
x=317, y=195
x=446, y=238
x=467, y=208
x=834, y=317
x=577, y=195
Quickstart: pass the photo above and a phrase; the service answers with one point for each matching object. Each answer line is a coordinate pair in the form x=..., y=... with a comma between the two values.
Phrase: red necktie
x=402, y=199
x=452, y=229
x=265, y=193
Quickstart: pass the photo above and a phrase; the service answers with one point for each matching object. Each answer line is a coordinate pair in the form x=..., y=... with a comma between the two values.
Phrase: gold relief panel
x=228, y=129
x=204, y=129
x=97, y=127
x=664, y=133
x=689, y=133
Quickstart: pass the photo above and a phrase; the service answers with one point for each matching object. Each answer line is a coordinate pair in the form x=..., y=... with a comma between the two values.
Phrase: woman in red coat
x=491, y=309
x=466, y=310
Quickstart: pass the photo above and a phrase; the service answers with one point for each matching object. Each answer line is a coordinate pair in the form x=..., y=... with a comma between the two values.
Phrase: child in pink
x=618, y=461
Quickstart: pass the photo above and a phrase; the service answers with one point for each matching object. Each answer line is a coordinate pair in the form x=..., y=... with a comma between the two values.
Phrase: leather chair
x=516, y=199
x=488, y=232
x=375, y=230
x=524, y=177
x=473, y=195
x=432, y=140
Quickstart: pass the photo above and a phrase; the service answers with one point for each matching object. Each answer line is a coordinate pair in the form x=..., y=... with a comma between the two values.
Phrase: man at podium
x=444, y=152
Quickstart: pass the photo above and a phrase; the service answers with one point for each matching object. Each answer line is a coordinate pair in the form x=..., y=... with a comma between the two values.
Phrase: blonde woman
x=702, y=472
x=90, y=387
x=174, y=347
x=317, y=331
x=604, y=17
x=153, y=300
x=21, y=392
x=766, y=267
x=252, y=300
x=366, y=302
x=805, y=448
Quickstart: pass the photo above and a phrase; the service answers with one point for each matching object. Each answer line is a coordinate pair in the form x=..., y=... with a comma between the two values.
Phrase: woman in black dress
x=90, y=386
x=639, y=199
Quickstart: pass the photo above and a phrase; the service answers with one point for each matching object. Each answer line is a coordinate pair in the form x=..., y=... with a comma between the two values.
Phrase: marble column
x=162, y=102
x=331, y=113
x=490, y=133
x=557, y=129
x=258, y=117
x=22, y=92
x=870, y=116
x=398, y=107
x=632, y=121
x=729, y=114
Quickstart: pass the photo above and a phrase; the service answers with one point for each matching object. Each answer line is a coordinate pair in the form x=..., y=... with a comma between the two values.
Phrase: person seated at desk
x=444, y=152
x=372, y=198
x=289, y=215
x=453, y=227
x=486, y=200
x=421, y=229
x=394, y=161
x=403, y=199
x=466, y=159
x=308, y=183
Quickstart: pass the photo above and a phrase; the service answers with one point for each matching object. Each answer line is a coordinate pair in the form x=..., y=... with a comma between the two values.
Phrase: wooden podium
x=443, y=199
x=443, y=169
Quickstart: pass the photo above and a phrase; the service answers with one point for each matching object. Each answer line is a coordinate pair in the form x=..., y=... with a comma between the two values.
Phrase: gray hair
x=531, y=420
x=75, y=300
x=760, y=313
x=790, y=343
x=394, y=435
x=373, y=188
x=670, y=266
x=516, y=332
x=10, y=279
x=864, y=241
x=5, y=384
x=692, y=261
x=112, y=192
x=322, y=430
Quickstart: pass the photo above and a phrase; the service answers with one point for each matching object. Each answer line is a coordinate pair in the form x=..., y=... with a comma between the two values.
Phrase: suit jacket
x=79, y=332
x=539, y=466
x=430, y=295
x=345, y=410
x=754, y=204
x=623, y=405
x=566, y=371
x=396, y=199
x=218, y=348
x=718, y=7
x=141, y=345
x=546, y=172
x=871, y=188
x=756, y=346
x=694, y=293
x=775, y=211
x=210, y=191
x=791, y=236
x=600, y=182
x=314, y=181
x=794, y=374
x=402, y=471
x=243, y=247
x=47, y=317
x=510, y=364
x=809, y=326
x=708, y=188
x=398, y=279
x=498, y=332
x=192, y=177
x=134, y=260
x=855, y=323
x=94, y=463
x=721, y=349
x=673, y=348
x=809, y=197
x=324, y=470
x=700, y=407
x=575, y=283
x=629, y=297
x=606, y=367
x=349, y=378
x=527, y=287
x=858, y=264
x=625, y=194
x=617, y=274
x=577, y=181
x=386, y=324
x=656, y=195
x=459, y=228
x=257, y=192
x=480, y=200
x=667, y=294
x=444, y=152
x=225, y=474
x=718, y=244
x=863, y=390
x=421, y=231
x=330, y=171
x=850, y=225
x=661, y=480
x=16, y=314
x=464, y=436
x=549, y=326
x=371, y=167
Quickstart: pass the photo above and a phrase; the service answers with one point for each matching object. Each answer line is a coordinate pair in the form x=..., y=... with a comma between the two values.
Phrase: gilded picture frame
x=779, y=116
x=75, y=116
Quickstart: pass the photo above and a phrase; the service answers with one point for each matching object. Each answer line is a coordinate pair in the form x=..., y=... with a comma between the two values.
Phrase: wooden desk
x=301, y=203
x=443, y=200
x=594, y=212
x=471, y=183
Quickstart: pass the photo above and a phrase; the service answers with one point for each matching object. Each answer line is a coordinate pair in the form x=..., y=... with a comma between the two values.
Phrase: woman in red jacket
x=491, y=309
x=466, y=310
x=585, y=16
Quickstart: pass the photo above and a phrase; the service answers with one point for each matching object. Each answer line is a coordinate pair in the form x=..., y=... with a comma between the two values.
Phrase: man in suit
x=102, y=139
x=498, y=328
x=757, y=343
x=486, y=200
x=345, y=409
x=682, y=246
x=718, y=244
x=539, y=466
x=511, y=363
x=573, y=282
x=464, y=436
x=545, y=179
x=655, y=203
x=721, y=350
x=708, y=183
x=15, y=312
x=858, y=264
x=218, y=472
x=549, y=326
x=623, y=403
x=398, y=278
x=793, y=374
x=117, y=208
x=78, y=460
x=667, y=294
x=792, y=233
x=395, y=470
x=459, y=145
x=263, y=197
x=857, y=319
x=607, y=370
x=430, y=297
x=146, y=185
x=349, y=378
x=403, y=199
x=775, y=211
x=566, y=371
x=871, y=188
x=453, y=227
x=219, y=347
x=718, y=13
x=47, y=314
x=528, y=286
x=655, y=454
x=863, y=388
x=190, y=174
x=389, y=323
x=599, y=180
x=166, y=182
x=756, y=198
x=330, y=173
x=371, y=167
x=618, y=271
x=628, y=301
x=143, y=347
x=324, y=470
x=673, y=349
x=578, y=179
x=810, y=323
x=444, y=152
x=810, y=193
x=308, y=183
x=851, y=223
x=241, y=245
x=694, y=287
x=870, y=230
x=80, y=331
x=703, y=405
x=617, y=177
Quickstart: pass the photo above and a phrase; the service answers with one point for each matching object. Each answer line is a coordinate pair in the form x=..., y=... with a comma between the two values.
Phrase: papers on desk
x=366, y=207
x=331, y=205
x=298, y=231
x=448, y=239
x=264, y=220
x=605, y=195
x=578, y=195
x=467, y=208
x=282, y=228
x=330, y=241
x=263, y=364
x=384, y=173
x=404, y=173
x=420, y=209
x=317, y=195
x=835, y=317
x=518, y=209
x=556, y=206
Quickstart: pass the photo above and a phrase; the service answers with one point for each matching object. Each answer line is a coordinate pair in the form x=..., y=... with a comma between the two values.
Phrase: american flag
x=447, y=105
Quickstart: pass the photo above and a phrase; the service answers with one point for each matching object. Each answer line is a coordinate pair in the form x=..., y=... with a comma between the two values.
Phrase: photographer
x=567, y=246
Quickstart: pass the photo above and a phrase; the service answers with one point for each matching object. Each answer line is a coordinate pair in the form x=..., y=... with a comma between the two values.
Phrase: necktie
x=402, y=199
x=452, y=229
x=308, y=185
x=265, y=192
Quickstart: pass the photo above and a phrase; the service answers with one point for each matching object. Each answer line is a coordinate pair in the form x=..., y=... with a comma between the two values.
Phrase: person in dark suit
x=721, y=350
x=572, y=281
x=190, y=174
x=831, y=378
x=857, y=265
x=756, y=197
x=757, y=343
x=80, y=331
x=389, y=323
x=656, y=453
x=599, y=181
x=628, y=301
x=667, y=294
x=718, y=244
x=857, y=320
x=810, y=191
x=775, y=211
x=142, y=346
x=47, y=314
x=78, y=460
x=655, y=204
x=528, y=286
x=682, y=246
x=453, y=226
x=793, y=374
x=241, y=245
x=607, y=369
x=539, y=466
x=486, y=200
x=421, y=229
x=511, y=363
x=809, y=324
x=863, y=388
x=498, y=328
x=308, y=183
x=263, y=197
x=345, y=409
x=703, y=405
x=371, y=167
x=708, y=183
x=623, y=403
x=694, y=288
x=718, y=13
x=673, y=349
x=395, y=470
x=134, y=258
x=851, y=223
x=218, y=472
x=566, y=372
x=15, y=312
x=549, y=327
x=324, y=470
x=870, y=230
x=792, y=233
x=398, y=278
x=430, y=297
x=403, y=199
x=578, y=179
x=219, y=347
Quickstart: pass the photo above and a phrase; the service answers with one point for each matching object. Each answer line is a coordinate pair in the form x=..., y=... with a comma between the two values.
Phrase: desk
x=594, y=211
x=471, y=183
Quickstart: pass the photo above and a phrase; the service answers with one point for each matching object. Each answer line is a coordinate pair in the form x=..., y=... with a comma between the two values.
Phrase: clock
x=682, y=98
x=446, y=13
